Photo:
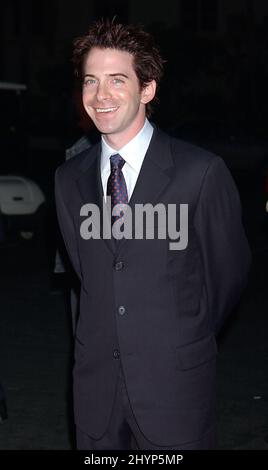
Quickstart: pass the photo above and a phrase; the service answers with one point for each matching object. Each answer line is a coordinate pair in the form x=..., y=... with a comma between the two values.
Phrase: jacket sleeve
x=66, y=225
x=224, y=248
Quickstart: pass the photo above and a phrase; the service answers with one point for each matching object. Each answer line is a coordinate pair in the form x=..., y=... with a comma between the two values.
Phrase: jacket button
x=121, y=310
x=116, y=354
x=119, y=265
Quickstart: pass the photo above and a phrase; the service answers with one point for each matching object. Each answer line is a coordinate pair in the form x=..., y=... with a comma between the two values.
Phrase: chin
x=103, y=130
x=106, y=129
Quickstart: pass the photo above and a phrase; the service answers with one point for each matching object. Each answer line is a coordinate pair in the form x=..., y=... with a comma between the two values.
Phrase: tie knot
x=117, y=162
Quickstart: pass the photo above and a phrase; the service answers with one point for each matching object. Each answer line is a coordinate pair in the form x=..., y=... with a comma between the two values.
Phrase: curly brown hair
x=147, y=60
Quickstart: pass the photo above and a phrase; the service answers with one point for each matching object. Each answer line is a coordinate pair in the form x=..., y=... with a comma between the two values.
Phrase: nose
x=103, y=91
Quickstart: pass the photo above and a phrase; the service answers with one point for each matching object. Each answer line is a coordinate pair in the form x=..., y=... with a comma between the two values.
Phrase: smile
x=105, y=110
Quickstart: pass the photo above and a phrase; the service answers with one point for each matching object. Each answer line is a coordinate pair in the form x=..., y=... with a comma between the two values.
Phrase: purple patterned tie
x=116, y=185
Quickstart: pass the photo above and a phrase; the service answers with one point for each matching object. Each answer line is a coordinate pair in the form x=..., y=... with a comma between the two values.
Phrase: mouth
x=106, y=110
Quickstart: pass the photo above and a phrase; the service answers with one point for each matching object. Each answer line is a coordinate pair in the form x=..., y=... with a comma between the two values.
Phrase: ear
x=148, y=92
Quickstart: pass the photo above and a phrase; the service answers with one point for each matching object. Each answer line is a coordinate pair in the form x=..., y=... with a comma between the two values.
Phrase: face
x=112, y=96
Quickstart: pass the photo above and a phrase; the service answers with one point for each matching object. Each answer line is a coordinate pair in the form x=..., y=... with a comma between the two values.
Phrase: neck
x=119, y=140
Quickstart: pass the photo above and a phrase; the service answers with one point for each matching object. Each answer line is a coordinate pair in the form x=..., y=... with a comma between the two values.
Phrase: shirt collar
x=133, y=152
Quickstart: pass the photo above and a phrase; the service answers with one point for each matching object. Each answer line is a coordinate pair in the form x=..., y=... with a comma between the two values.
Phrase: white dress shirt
x=133, y=153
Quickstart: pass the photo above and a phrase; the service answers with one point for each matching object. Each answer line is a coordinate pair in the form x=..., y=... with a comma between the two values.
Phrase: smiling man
x=145, y=348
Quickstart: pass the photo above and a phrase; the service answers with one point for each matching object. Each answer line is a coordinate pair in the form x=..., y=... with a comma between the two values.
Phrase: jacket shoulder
x=193, y=153
x=78, y=147
x=187, y=157
x=71, y=168
x=186, y=150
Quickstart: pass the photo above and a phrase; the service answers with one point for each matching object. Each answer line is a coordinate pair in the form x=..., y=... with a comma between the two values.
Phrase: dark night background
x=214, y=85
x=214, y=93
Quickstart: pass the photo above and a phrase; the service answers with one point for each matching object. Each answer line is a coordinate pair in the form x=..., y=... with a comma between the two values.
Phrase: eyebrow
x=110, y=75
x=118, y=75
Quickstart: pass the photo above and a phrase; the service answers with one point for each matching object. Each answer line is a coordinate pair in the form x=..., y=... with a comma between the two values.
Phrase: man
x=145, y=348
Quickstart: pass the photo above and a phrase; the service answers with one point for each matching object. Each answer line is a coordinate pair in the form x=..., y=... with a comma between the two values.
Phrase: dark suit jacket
x=175, y=301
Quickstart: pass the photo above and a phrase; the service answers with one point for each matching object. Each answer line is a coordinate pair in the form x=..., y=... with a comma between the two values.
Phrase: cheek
x=128, y=98
x=86, y=103
x=86, y=97
x=119, y=95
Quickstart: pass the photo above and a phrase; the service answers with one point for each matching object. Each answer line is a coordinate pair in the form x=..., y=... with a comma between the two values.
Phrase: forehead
x=108, y=61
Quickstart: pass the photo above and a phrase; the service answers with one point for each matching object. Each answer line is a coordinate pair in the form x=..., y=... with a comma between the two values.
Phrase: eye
x=117, y=81
x=88, y=82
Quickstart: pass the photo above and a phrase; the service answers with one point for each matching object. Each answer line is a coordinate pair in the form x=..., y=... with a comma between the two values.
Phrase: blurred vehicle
x=22, y=202
x=22, y=205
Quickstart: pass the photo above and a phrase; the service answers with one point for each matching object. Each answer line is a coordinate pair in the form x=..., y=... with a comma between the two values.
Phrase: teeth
x=105, y=110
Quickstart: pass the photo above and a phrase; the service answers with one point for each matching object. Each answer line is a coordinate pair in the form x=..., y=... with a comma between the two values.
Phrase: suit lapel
x=155, y=171
x=155, y=174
